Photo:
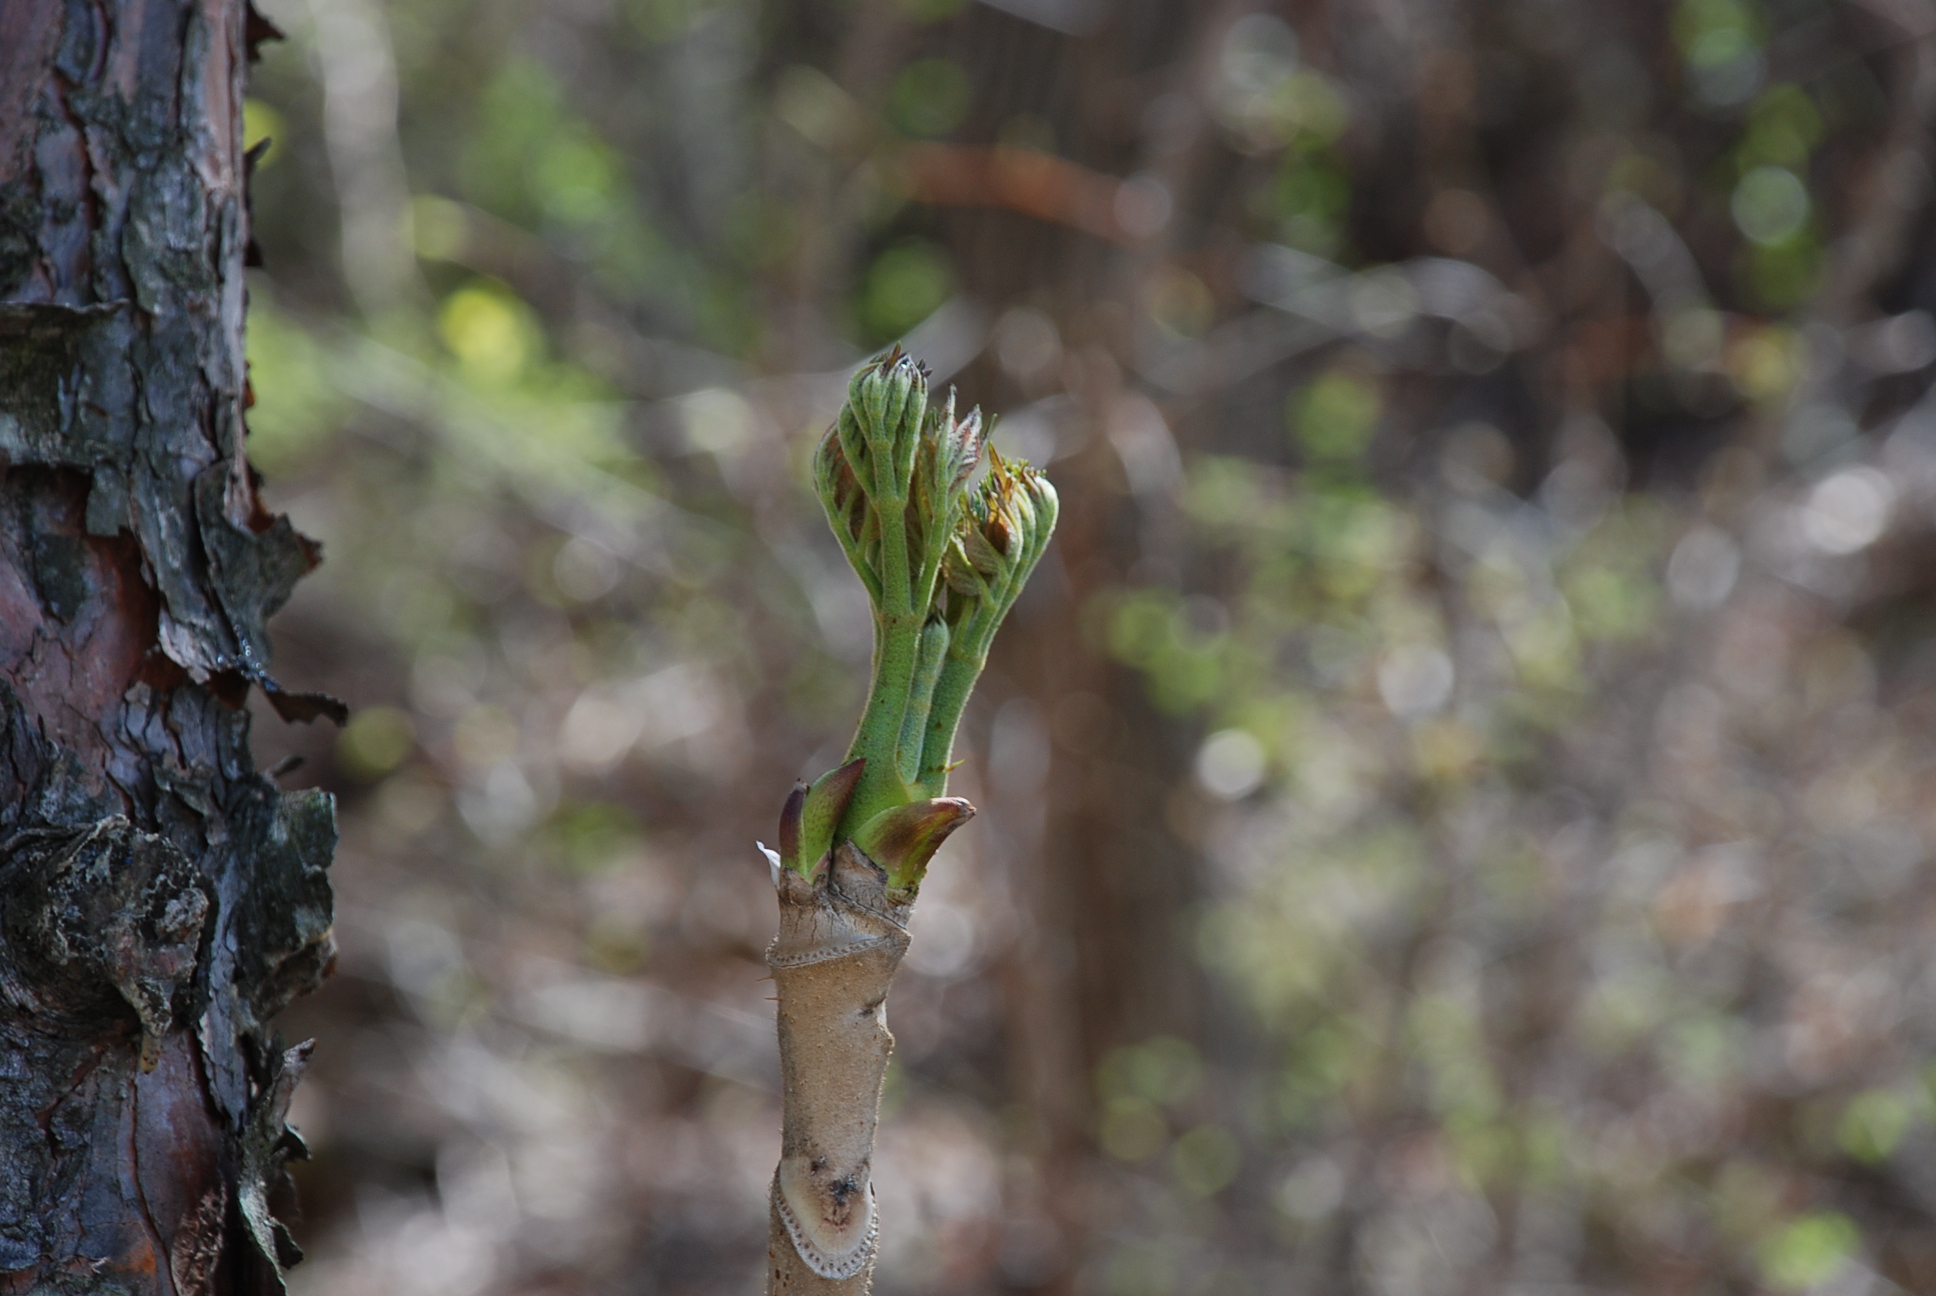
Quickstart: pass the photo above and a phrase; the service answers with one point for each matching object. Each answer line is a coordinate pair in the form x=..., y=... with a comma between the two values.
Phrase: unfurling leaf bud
x=943, y=563
x=893, y=474
x=890, y=473
x=880, y=427
x=1006, y=529
x=1003, y=533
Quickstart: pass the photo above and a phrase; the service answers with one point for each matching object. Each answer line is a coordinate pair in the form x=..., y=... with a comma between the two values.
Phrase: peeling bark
x=160, y=899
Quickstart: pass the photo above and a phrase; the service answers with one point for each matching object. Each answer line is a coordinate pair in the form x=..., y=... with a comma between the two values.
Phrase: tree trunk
x=161, y=900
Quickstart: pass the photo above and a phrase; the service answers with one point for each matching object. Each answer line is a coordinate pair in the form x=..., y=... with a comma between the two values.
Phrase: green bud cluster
x=1003, y=536
x=890, y=473
x=943, y=561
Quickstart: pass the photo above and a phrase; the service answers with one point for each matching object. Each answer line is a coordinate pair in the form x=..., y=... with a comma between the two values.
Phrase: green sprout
x=943, y=560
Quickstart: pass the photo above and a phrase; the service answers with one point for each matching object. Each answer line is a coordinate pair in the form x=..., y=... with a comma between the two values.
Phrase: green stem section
x=952, y=687
x=897, y=651
x=928, y=669
x=968, y=647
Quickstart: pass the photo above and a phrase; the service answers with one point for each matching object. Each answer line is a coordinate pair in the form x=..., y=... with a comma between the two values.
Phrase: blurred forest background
x=1458, y=801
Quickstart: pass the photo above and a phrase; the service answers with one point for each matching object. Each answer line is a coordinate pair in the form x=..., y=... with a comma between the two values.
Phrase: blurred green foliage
x=929, y=97
x=1447, y=825
x=903, y=287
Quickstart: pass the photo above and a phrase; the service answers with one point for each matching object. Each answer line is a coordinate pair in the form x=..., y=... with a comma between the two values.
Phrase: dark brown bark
x=160, y=899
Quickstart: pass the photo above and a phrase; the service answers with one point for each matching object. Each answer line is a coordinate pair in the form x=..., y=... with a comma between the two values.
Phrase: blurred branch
x=1019, y=180
x=359, y=75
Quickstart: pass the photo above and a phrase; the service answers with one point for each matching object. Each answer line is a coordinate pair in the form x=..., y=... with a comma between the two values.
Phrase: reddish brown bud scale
x=904, y=839
x=790, y=825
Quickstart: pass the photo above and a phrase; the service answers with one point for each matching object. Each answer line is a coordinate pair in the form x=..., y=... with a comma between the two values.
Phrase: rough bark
x=160, y=899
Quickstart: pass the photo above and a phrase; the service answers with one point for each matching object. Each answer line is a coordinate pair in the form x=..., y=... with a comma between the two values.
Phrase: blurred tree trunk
x=1111, y=881
x=161, y=900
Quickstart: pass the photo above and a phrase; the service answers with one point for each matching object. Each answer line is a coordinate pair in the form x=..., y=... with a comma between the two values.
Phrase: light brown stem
x=840, y=941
